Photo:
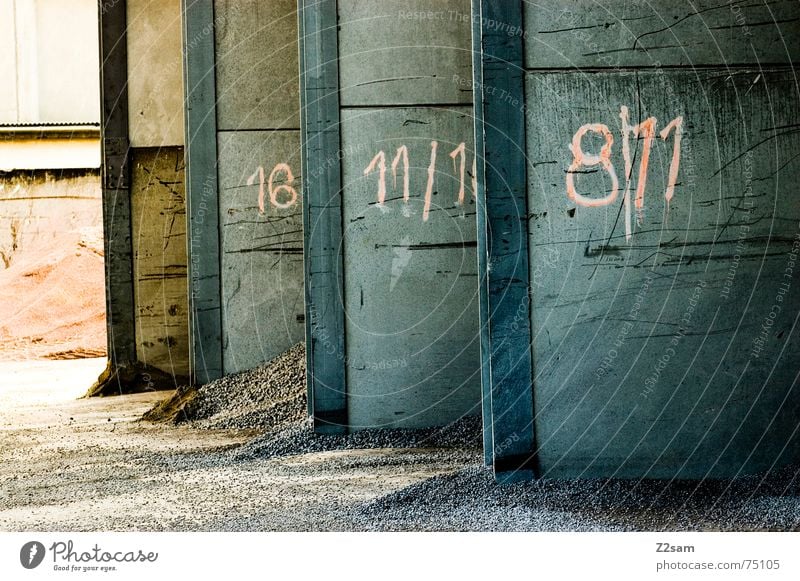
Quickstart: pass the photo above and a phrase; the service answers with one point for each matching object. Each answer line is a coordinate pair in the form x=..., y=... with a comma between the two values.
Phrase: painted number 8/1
x=644, y=131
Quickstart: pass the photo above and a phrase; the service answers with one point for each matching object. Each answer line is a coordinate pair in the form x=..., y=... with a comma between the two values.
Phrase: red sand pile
x=52, y=300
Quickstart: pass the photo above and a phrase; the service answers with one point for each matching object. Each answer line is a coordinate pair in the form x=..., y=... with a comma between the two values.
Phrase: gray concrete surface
x=671, y=372
x=257, y=69
x=584, y=33
x=154, y=46
x=410, y=284
x=404, y=53
x=262, y=251
x=88, y=465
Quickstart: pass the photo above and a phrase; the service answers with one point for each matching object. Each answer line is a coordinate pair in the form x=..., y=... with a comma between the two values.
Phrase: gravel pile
x=469, y=500
x=463, y=434
x=92, y=475
x=268, y=397
x=272, y=398
x=430, y=479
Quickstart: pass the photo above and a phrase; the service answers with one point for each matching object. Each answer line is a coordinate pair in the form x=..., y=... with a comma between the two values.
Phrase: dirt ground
x=54, y=299
x=88, y=465
x=82, y=465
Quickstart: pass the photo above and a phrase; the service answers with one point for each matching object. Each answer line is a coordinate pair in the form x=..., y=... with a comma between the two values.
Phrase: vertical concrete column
x=503, y=241
x=116, y=191
x=322, y=215
x=202, y=196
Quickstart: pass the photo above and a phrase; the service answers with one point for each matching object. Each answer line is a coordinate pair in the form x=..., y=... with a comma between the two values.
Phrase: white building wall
x=49, y=62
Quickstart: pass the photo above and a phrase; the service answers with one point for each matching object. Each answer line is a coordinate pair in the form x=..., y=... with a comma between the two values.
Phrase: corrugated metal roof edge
x=48, y=125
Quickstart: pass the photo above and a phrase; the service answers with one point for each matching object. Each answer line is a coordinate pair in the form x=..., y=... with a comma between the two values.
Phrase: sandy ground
x=84, y=465
x=54, y=299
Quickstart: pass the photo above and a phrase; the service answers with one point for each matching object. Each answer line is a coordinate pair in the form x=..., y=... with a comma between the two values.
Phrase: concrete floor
x=84, y=465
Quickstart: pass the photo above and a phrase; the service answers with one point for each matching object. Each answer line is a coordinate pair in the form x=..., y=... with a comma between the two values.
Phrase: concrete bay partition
x=641, y=233
x=158, y=206
x=245, y=195
x=390, y=215
x=143, y=196
x=115, y=176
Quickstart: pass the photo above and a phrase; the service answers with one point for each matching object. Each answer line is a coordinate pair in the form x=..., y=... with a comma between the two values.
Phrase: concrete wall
x=155, y=101
x=48, y=76
x=664, y=331
x=258, y=145
x=155, y=87
x=410, y=286
x=159, y=247
x=8, y=63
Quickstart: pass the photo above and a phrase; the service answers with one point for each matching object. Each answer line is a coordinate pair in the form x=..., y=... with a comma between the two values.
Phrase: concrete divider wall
x=409, y=351
x=260, y=186
x=38, y=207
x=662, y=234
x=158, y=204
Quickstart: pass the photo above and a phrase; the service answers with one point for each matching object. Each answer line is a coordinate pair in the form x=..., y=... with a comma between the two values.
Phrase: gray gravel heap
x=268, y=397
x=463, y=434
x=272, y=398
x=470, y=500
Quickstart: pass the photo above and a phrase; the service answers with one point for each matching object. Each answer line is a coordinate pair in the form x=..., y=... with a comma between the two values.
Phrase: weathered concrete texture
x=120, y=300
x=405, y=53
x=673, y=353
x=410, y=285
x=155, y=77
x=159, y=246
x=257, y=69
x=588, y=33
x=262, y=252
x=37, y=208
